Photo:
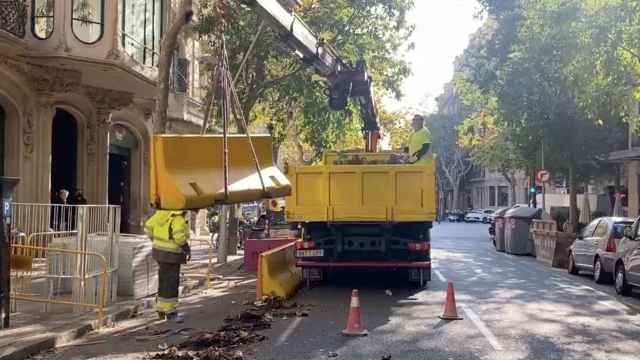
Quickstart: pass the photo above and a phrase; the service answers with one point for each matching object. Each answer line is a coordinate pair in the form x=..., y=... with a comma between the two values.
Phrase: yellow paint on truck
x=375, y=191
x=187, y=171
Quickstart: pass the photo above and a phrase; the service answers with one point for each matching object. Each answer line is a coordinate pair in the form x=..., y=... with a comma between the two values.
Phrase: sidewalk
x=39, y=331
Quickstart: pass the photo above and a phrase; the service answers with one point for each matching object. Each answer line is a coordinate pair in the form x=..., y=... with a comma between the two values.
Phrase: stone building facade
x=77, y=87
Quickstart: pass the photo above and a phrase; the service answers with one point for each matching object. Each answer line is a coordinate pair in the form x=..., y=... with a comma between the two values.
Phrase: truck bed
x=361, y=193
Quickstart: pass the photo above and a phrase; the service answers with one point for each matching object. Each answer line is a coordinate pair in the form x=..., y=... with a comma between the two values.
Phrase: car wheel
x=599, y=275
x=572, y=269
x=621, y=285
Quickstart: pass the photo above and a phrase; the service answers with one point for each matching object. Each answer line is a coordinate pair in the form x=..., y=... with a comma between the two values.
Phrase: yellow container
x=377, y=193
x=187, y=171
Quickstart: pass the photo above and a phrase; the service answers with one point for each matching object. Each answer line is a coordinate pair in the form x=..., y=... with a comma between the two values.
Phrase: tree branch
x=167, y=47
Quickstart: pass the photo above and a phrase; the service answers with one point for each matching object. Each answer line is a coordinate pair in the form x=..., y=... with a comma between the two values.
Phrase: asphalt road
x=513, y=308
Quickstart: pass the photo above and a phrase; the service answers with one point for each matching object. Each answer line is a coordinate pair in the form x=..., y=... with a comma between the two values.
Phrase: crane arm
x=344, y=81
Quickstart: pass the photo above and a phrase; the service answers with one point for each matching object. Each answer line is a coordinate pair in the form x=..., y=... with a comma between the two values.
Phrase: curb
x=51, y=341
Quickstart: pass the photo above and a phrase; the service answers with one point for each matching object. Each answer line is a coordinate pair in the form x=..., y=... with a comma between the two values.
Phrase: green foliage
x=274, y=83
x=555, y=72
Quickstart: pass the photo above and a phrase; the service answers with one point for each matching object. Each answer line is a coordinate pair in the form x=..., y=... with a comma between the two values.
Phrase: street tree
x=273, y=83
x=168, y=46
x=453, y=162
x=555, y=71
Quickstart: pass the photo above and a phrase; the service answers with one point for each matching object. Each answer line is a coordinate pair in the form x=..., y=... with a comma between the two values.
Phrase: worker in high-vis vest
x=169, y=231
x=420, y=143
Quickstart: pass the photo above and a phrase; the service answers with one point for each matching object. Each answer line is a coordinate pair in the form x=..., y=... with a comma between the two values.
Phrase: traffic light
x=535, y=189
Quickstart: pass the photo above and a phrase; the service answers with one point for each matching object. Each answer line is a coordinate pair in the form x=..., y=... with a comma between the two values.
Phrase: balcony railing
x=13, y=16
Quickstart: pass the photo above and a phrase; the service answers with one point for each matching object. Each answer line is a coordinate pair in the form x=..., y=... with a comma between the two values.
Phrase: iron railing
x=13, y=16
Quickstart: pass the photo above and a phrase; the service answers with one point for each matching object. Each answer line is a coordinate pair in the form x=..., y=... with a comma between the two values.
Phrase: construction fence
x=64, y=256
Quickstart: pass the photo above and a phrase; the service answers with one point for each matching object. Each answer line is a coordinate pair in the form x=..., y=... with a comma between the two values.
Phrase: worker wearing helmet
x=420, y=142
x=169, y=231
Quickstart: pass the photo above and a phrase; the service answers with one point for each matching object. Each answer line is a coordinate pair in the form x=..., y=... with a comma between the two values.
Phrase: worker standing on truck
x=169, y=231
x=419, y=142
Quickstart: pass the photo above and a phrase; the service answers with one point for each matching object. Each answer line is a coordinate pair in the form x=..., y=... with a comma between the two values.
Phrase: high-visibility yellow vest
x=416, y=140
x=168, y=229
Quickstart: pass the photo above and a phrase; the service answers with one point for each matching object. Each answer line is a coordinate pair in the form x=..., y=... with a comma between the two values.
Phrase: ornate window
x=142, y=29
x=42, y=19
x=87, y=20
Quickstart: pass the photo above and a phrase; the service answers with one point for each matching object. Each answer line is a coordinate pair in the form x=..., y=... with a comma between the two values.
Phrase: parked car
x=626, y=273
x=596, y=248
x=455, y=216
x=487, y=215
x=474, y=216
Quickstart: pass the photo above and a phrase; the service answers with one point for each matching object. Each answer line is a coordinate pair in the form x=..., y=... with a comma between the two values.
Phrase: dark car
x=596, y=247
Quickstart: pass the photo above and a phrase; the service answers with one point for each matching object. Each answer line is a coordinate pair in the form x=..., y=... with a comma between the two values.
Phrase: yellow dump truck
x=363, y=210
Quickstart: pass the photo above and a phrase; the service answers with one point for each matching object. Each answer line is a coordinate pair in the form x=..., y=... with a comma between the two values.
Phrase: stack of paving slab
x=137, y=271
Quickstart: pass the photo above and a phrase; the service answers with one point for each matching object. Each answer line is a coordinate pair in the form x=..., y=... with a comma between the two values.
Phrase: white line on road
x=285, y=335
x=610, y=304
x=439, y=275
x=483, y=328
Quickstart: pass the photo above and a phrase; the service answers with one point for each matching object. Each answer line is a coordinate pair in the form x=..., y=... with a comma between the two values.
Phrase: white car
x=474, y=217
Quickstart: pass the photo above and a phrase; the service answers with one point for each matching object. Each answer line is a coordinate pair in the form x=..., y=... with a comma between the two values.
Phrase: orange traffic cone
x=450, y=311
x=354, y=323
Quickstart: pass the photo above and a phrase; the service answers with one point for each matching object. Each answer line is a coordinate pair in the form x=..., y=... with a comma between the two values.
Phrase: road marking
x=439, y=275
x=285, y=335
x=483, y=328
x=609, y=304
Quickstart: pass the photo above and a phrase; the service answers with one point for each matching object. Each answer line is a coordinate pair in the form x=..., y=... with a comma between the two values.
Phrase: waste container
x=516, y=231
x=499, y=228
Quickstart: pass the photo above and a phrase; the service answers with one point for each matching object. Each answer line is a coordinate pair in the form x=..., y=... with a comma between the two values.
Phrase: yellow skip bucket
x=187, y=171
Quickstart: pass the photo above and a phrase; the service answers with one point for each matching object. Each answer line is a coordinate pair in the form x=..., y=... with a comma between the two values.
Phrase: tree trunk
x=456, y=196
x=511, y=180
x=573, y=199
x=223, y=238
x=168, y=46
x=233, y=229
x=211, y=93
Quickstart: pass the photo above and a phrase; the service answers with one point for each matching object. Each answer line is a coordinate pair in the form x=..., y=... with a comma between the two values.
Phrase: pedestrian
x=213, y=220
x=78, y=198
x=60, y=212
x=169, y=231
x=420, y=143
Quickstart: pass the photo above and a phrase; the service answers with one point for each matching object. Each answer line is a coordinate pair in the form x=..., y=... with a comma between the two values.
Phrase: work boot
x=171, y=316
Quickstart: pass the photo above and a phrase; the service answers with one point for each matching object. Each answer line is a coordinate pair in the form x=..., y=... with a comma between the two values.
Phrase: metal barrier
x=81, y=229
x=61, y=277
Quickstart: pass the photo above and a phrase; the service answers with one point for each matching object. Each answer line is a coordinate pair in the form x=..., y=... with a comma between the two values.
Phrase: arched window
x=88, y=20
x=42, y=18
x=142, y=29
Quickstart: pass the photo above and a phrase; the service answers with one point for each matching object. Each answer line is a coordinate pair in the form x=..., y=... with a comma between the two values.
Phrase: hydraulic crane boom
x=344, y=80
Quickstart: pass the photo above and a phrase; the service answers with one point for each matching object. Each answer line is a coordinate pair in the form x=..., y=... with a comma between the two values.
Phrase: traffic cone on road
x=354, y=322
x=450, y=311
